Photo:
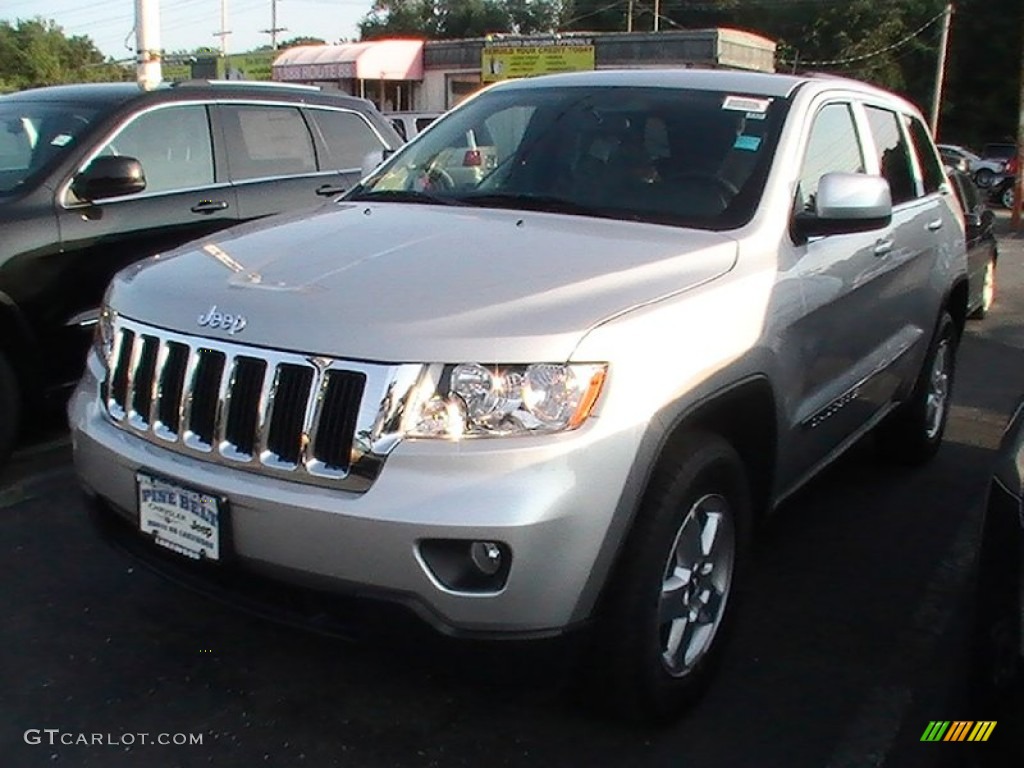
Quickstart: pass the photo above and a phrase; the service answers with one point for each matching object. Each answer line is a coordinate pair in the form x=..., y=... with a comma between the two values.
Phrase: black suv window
x=931, y=168
x=893, y=154
x=267, y=141
x=347, y=137
x=832, y=148
x=172, y=143
x=34, y=134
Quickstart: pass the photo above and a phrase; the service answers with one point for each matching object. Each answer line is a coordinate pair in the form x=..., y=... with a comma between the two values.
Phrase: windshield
x=686, y=157
x=33, y=135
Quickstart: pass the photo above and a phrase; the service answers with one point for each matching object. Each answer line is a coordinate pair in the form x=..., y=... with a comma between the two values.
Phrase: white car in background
x=984, y=171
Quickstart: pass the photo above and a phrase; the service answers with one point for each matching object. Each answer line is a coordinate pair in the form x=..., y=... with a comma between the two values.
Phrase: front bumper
x=552, y=500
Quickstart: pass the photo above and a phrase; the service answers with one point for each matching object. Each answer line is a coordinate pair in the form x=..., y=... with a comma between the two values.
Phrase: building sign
x=504, y=59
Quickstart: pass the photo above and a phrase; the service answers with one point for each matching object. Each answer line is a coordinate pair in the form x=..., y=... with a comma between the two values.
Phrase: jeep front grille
x=310, y=419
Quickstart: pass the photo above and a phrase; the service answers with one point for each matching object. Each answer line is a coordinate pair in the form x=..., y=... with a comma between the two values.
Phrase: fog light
x=486, y=555
x=467, y=566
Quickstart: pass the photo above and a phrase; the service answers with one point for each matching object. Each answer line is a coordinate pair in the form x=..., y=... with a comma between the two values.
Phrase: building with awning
x=435, y=75
x=385, y=71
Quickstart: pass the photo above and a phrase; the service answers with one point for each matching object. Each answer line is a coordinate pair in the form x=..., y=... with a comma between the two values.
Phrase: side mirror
x=845, y=203
x=372, y=160
x=109, y=176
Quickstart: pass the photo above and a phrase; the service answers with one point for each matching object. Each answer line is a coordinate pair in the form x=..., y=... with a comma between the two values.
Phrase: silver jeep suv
x=554, y=395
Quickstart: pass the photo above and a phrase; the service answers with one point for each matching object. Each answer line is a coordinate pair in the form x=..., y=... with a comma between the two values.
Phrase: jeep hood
x=419, y=283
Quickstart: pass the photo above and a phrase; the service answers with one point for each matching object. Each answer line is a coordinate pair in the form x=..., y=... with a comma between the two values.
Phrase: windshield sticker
x=755, y=116
x=747, y=143
x=61, y=140
x=746, y=104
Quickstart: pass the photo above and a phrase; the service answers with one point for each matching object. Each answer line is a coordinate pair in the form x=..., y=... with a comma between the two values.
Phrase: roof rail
x=245, y=83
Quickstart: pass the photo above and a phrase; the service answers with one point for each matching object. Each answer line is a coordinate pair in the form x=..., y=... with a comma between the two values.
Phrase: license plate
x=179, y=518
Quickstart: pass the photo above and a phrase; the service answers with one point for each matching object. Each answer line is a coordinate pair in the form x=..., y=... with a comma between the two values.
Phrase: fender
x=660, y=430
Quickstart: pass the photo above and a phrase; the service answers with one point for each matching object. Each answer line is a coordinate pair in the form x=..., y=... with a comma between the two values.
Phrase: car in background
x=94, y=177
x=982, y=249
x=984, y=171
x=999, y=153
x=409, y=125
x=1004, y=190
x=997, y=657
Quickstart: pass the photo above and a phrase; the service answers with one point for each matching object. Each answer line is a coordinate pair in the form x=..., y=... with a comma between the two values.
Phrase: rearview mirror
x=109, y=176
x=846, y=202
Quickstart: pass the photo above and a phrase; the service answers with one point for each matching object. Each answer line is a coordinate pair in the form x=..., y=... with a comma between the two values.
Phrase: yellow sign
x=501, y=62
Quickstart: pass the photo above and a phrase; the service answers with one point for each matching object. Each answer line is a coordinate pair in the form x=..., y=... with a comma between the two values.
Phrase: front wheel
x=913, y=433
x=669, y=605
x=984, y=177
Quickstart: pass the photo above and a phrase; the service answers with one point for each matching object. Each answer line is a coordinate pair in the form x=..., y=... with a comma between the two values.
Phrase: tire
x=9, y=410
x=988, y=291
x=664, y=622
x=996, y=662
x=1006, y=196
x=913, y=433
x=984, y=177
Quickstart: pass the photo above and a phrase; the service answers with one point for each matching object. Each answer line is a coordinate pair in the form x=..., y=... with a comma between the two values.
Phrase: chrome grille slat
x=313, y=420
x=143, y=381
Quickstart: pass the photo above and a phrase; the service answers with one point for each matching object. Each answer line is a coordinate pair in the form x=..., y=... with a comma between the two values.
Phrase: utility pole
x=147, y=44
x=1018, y=187
x=224, y=31
x=629, y=18
x=940, y=69
x=657, y=14
x=274, y=29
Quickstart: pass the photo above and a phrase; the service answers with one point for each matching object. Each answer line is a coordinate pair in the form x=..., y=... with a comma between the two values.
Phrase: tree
x=301, y=40
x=36, y=52
x=452, y=19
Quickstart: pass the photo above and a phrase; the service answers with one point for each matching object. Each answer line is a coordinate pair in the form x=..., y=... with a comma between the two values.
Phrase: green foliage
x=37, y=52
x=453, y=19
x=301, y=40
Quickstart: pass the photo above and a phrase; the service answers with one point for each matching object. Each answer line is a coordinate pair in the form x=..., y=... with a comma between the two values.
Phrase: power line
x=861, y=57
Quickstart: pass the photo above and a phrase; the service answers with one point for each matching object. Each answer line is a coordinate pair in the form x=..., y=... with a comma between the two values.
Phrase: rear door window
x=267, y=141
x=893, y=154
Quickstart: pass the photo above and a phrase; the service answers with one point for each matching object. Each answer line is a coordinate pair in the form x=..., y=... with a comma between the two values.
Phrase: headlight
x=474, y=400
x=104, y=334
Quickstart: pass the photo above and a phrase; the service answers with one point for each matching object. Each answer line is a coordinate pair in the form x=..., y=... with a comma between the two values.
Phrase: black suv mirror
x=109, y=176
x=846, y=202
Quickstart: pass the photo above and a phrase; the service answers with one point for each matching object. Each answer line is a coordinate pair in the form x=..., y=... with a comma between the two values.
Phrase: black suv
x=93, y=177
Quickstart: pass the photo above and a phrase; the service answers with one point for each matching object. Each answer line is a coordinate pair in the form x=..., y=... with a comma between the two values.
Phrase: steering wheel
x=435, y=179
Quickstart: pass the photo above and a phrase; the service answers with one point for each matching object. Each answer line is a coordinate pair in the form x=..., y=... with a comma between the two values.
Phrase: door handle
x=329, y=190
x=883, y=247
x=209, y=206
x=934, y=225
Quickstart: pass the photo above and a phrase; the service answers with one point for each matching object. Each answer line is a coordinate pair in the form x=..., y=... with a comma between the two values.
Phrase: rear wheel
x=9, y=410
x=668, y=610
x=1006, y=198
x=913, y=433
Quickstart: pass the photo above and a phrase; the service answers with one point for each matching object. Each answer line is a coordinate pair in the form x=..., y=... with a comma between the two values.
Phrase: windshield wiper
x=401, y=196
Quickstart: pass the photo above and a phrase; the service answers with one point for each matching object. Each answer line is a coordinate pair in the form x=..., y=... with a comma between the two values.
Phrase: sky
x=189, y=24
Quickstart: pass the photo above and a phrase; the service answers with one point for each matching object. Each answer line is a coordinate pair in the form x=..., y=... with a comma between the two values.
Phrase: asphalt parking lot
x=852, y=639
